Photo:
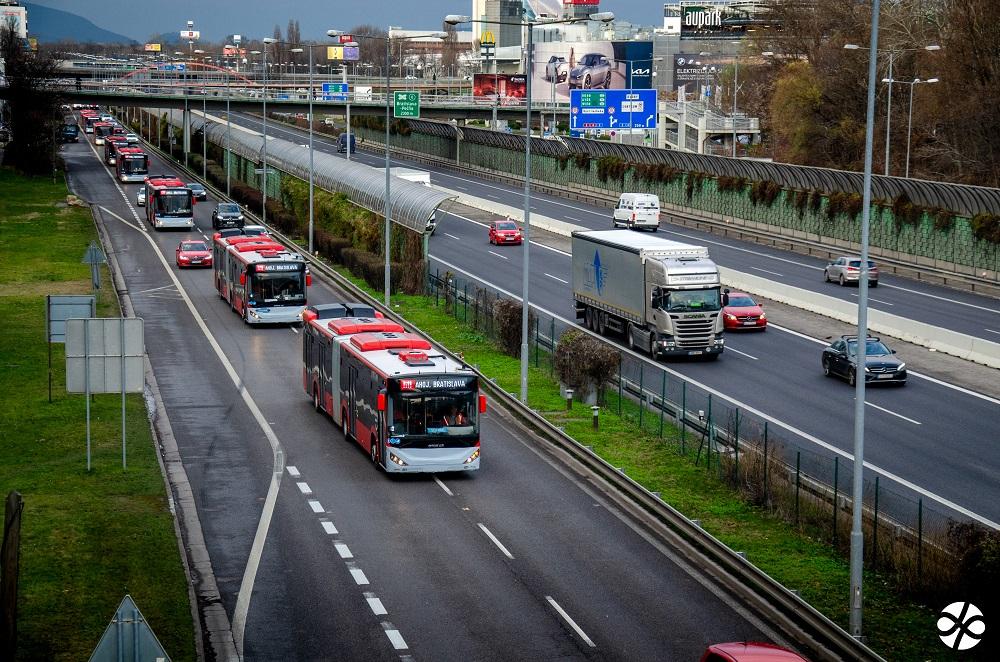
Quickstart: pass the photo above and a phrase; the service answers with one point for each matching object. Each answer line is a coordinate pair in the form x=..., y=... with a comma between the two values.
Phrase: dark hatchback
x=881, y=364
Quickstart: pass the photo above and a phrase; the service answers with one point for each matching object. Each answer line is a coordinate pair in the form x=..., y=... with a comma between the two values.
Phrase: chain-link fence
x=805, y=485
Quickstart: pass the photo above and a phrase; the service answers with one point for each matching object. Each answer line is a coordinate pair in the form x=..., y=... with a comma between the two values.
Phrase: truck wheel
x=629, y=336
x=602, y=323
x=588, y=318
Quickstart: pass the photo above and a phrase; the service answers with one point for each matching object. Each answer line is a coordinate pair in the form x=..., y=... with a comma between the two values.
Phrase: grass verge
x=896, y=628
x=87, y=539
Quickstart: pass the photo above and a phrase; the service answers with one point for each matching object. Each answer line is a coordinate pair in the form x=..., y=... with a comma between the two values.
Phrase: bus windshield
x=277, y=288
x=173, y=203
x=435, y=418
x=102, y=130
x=134, y=164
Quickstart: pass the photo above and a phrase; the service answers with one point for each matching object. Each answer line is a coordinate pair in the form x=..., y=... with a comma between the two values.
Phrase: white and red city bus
x=101, y=131
x=132, y=164
x=263, y=281
x=90, y=118
x=111, y=145
x=169, y=202
x=408, y=405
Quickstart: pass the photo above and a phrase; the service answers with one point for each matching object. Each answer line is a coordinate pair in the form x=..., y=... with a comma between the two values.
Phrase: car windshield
x=428, y=419
x=680, y=301
x=741, y=301
x=590, y=59
x=229, y=208
x=193, y=246
x=195, y=187
x=872, y=348
x=506, y=226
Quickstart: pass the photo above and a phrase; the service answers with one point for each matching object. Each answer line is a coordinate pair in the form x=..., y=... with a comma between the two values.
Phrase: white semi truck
x=662, y=296
x=417, y=177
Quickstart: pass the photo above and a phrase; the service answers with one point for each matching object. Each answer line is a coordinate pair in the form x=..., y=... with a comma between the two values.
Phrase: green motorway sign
x=593, y=99
x=406, y=104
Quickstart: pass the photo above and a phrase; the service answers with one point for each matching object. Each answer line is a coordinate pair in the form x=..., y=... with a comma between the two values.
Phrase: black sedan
x=881, y=366
x=199, y=191
x=227, y=215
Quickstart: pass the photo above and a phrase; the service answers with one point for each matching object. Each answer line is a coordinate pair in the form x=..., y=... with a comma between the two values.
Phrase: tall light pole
x=387, y=210
x=267, y=41
x=909, y=125
x=204, y=122
x=229, y=127
x=888, y=105
x=455, y=19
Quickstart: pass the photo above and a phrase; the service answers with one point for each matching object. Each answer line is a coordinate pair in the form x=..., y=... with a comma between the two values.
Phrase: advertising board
x=512, y=88
x=695, y=68
x=558, y=66
x=154, y=48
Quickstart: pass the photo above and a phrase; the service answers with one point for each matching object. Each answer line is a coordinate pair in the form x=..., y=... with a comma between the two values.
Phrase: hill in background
x=50, y=25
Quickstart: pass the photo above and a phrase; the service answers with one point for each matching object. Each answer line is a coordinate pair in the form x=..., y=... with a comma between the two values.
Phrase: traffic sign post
x=335, y=91
x=612, y=109
x=406, y=104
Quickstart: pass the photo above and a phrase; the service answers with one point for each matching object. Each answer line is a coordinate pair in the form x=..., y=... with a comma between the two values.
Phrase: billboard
x=581, y=2
x=347, y=53
x=558, y=66
x=151, y=48
x=232, y=51
x=512, y=88
x=704, y=20
x=17, y=14
x=694, y=68
x=191, y=35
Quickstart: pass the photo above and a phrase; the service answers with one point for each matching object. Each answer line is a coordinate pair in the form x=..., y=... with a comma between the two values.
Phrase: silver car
x=593, y=70
x=847, y=269
x=557, y=69
x=140, y=197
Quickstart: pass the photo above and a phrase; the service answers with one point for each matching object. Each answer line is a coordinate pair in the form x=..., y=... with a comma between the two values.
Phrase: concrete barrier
x=964, y=346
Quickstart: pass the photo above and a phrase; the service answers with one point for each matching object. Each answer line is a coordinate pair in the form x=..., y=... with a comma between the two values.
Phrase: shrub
x=507, y=325
x=562, y=161
x=612, y=167
x=582, y=161
x=654, y=173
x=815, y=201
x=801, y=200
x=734, y=184
x=986, y=227
x=693, y=181
x=583, y=362
x=905, y=211
x=764, y=192
x=944, y=220
x=330, y=245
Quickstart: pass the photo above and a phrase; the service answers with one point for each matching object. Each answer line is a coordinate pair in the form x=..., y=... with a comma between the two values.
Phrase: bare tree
x=371, y=51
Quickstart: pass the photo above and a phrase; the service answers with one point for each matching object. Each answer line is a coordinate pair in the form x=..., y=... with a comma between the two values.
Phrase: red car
x=740, y=311
x=749, y=652
x=193, y=253
x=505, y=232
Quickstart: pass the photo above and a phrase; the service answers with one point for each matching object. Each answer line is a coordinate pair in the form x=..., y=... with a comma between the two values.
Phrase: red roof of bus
x=367, y=342
x=260, y=246
x=345, y=326
x=165, y=181
x=131, y=151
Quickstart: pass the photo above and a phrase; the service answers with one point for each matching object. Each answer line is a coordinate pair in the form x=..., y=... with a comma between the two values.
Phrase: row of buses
x=407, y=404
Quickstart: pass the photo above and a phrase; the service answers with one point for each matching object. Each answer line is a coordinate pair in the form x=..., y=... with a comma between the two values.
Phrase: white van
x=637, y=211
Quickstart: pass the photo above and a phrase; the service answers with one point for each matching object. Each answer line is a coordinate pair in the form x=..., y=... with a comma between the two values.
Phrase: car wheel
x=841, y=280
x=826, y=276
x=826, y=369
x=607, y=81
x=873, y=283
x=374, y=452
x=586, y=82
x=852, y=377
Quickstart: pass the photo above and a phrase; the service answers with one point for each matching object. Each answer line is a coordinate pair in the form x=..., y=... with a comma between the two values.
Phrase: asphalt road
x=929, y=440
x=963, y=312
x=520, y=561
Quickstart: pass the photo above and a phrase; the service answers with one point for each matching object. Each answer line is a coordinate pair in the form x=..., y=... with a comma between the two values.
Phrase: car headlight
x=867, y=369
x=901, y=367
x=763, y=316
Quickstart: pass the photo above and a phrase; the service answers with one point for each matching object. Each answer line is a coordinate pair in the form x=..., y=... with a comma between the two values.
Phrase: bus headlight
x=395, y=459
x=472, y=458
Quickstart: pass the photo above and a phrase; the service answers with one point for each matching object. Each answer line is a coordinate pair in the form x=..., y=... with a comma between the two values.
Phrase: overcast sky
x=216, y=18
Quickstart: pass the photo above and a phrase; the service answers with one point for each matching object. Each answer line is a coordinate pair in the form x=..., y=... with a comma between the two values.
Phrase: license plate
x=694, y=353
x=749, y=323
x=885, y=376
x=195, y=261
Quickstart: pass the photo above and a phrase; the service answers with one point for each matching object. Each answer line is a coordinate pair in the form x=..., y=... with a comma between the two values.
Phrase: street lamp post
x=909, y=125
x=454, y=19
x=204, y=122
x=267, y=41
x=387, y=206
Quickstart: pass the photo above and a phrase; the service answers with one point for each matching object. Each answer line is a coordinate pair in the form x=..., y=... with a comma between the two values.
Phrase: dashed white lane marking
x=564, y=282
x=395, y=638
x=884, y=303
x=328, y=526
x=784, y=425
x=480, y=224
x=343, y=550
x=992, y=331
x=892, y=413
x=773, y=273
x=495, y=541
x=570, y=218
x=941, y=298
x=359, y=576
x=293, y=471
x=569, y=621
x=443, y=486
x=452, y=236
x=304, y=488
x=316, y=506
x=293, y=330
x=162, y=287
x=377, y=607
x=749, y=356
x=502, y=257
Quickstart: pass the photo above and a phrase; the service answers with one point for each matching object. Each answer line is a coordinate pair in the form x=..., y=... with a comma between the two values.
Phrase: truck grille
x=693, y=332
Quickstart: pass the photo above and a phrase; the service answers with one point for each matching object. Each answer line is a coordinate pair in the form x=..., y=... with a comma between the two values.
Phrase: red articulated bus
x=101, y=131
x=132, y=164
x=169, y=202
x=111, y=145
x=403, y=400
x=263, y=281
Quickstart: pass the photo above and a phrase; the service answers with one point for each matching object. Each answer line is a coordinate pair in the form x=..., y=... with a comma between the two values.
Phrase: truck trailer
x=662, y=296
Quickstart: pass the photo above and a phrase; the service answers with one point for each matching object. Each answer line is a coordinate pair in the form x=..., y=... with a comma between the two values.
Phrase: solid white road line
x=749, y=356
x=940, y=298
x=892, y=413
x=773, y=273
x=395, y=638
x=343, y=550
x=885, y=303
x=277, y=452
x=316, y=506
x=359, y=576
x=443, y=486
x=293, y=471
x=992, y=331
x=376, y=605
x=495, y=541
x=771, y=419
x=329, y=528
x=304, y=488
x=502, y=257
x=569, y=621
x=565, y=282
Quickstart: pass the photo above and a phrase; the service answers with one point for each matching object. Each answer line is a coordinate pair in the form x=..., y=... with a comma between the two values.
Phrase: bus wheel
x=344, y=426
x=316, y=399
x=374, y=452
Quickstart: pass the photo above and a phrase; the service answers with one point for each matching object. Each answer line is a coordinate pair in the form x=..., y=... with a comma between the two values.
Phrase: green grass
x=87, y=539
x=896, y=628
